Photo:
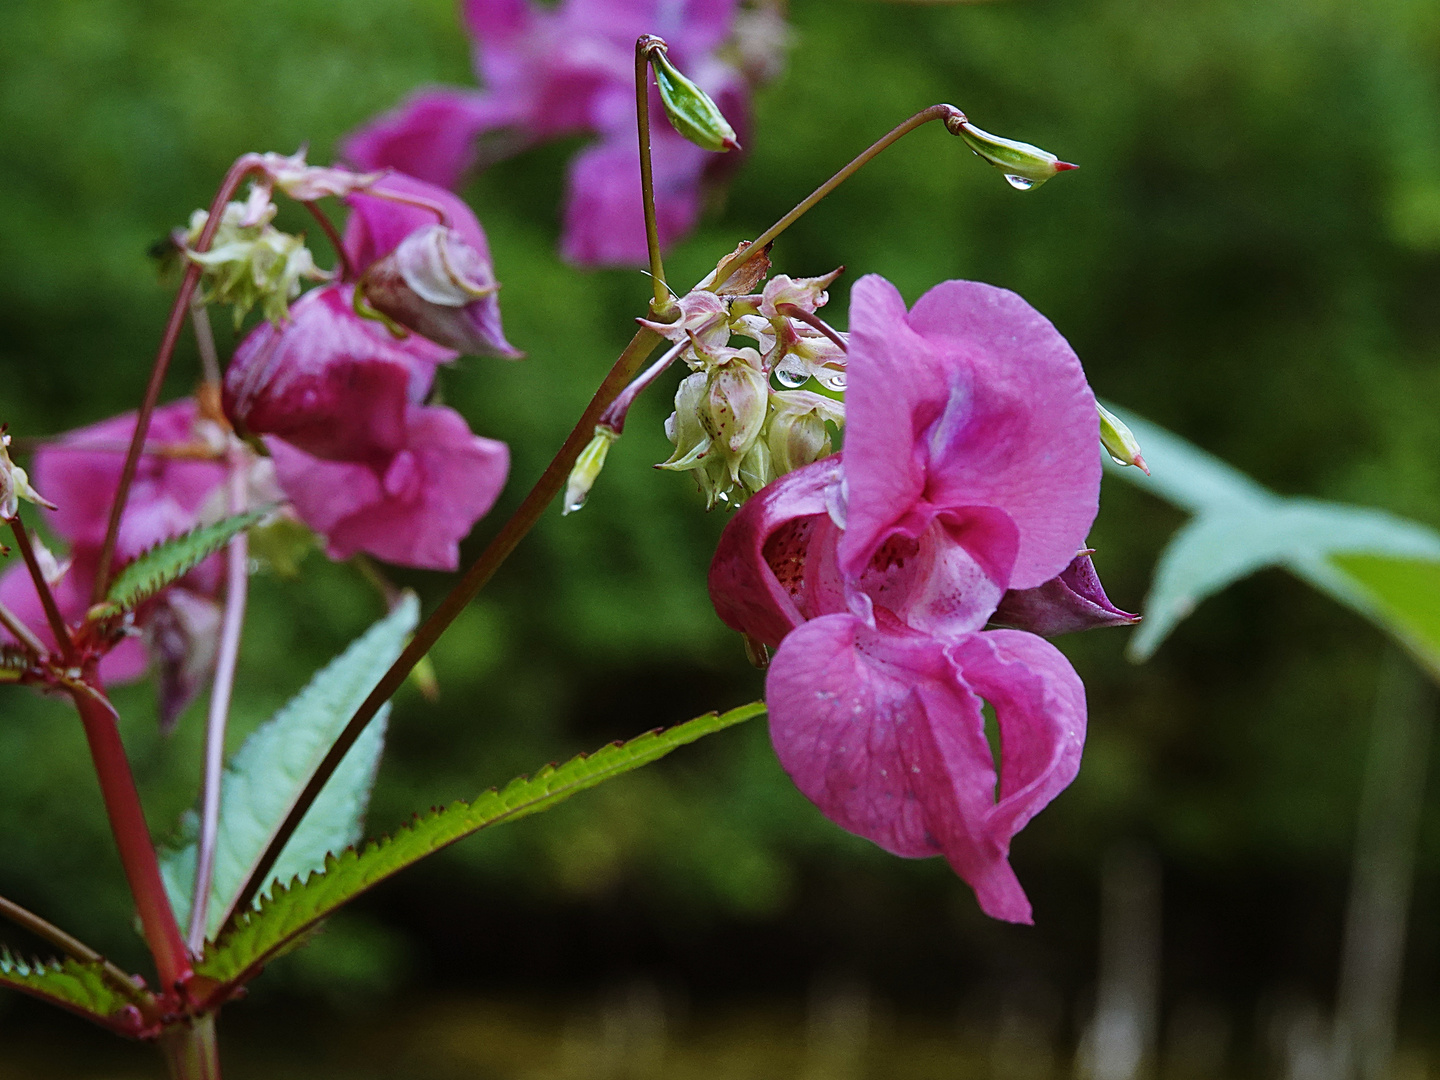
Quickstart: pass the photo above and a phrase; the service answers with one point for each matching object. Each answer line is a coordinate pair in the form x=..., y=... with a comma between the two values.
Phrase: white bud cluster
x=733, y=428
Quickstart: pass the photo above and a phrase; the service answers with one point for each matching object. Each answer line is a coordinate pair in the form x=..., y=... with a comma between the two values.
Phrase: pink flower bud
x=425, y=263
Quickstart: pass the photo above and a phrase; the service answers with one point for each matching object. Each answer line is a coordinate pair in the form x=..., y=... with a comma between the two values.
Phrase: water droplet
x=1019, y=183
x=790, y=378
x=833, y=382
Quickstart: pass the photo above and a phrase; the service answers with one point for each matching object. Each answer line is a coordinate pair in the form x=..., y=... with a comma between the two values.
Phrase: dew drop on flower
x=1019, y=183
x=833, y=382
x=789, y=378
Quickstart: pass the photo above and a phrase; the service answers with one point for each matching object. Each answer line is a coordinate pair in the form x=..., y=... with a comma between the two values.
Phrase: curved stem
x=236, y=586
x=551, y=483
x=643, y=46
x=78, y=950
x=810, y=319
x=47, y=598
x=948, y=113
x=347, y=268
x=132, y=837
x=243, y=167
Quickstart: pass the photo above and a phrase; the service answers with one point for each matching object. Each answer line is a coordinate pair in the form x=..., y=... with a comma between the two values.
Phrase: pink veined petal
x=413, y=511
x=971, y=399
x=1027, y=442
x=328, y=381
x=1040, y=710
x=604, y=216
x=768, y=575
x=850, y=717
x=83, y=469
x=431, y=135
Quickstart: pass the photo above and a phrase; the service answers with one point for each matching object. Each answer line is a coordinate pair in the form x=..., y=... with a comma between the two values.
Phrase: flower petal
x=774, y=566
x=431, y=135
x=415, y=508
x=1073, y=601
x=971, y=399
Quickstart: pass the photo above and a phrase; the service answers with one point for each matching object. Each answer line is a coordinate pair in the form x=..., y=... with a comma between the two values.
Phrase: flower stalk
x=663, y=304
x=42, y=587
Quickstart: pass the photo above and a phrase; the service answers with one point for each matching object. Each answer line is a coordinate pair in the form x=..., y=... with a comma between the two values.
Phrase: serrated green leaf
x=82, y=988
x=293, y=910
x=170, y=560
x=270, y=770
x=1241, y=527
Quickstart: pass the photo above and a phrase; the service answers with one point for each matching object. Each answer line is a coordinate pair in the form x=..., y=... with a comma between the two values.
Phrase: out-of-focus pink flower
x=969, y=469
x=412, y=509
x=1074, y=600
x=328, y=381
x=549, y=73
x=172, y=483
x=424, y=262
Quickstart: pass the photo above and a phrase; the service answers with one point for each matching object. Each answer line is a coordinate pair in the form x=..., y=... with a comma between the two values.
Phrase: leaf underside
x=80, y=987
x=170, y=560
x=283, y=919
x=1381, y=566
x=266, y=776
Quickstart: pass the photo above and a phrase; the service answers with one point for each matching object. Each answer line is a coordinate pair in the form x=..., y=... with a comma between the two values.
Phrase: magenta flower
x=970, y=468
x=550, y=73
x=412, y=509
x=333, y=384
x=166, y=499
x=1072, y=601
x=424, y=262
x=360, y=459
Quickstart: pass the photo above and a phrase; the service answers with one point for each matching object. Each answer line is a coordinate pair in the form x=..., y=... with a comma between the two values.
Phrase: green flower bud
x=689, y=108
x=1119, y=442
x=797, y=435
x=587, y=468
x=1024, y=166
x=755, y=469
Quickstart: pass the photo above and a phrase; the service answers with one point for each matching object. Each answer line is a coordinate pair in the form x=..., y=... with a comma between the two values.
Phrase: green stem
x=243, y=167
x=132, y=838
x=47, y=598
x=663, y=303
x=551, y=483
x=191, y=1049
x=949, y=113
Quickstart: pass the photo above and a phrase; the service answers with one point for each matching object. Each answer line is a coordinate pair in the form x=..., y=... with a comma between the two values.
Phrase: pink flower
x=1072, y=601
x=550, y=73
x=334, y=384
x=412, y=509
x=358, y=456
x=970, y=468
x=428, y=269
x=166, y=499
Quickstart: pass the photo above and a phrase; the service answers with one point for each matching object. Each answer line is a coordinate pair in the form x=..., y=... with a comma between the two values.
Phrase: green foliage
x=1239, y=527
x=13, y=663
x=170, y=560
x=82, y=988
x=271, y=769
x=292, y=911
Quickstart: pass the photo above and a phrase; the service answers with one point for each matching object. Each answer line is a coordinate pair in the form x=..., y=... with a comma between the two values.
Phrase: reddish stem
x=243, y=167
x=347, y=268
x=132, y=837
x=47, y=598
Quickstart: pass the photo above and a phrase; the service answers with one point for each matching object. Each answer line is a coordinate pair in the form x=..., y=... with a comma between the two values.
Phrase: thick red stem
x=132, y=839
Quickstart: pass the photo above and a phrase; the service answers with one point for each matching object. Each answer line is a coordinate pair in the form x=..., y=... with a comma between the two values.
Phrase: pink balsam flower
x=550, y=73
x=970, y=468
x=172, y=485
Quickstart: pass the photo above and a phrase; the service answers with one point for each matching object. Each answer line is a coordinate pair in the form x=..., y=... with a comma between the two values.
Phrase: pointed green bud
x=689, y=108
x=1119, y=442
x=587, y=468
x=1024, y=166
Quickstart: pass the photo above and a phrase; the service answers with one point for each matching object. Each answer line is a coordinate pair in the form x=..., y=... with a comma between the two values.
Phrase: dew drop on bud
x=833, y=382
x=1019, y=183
x=789, y=378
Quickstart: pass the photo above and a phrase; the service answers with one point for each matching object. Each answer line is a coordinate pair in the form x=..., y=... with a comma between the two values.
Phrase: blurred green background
x=1250, y=255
